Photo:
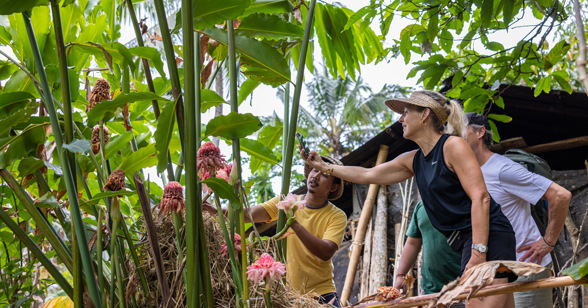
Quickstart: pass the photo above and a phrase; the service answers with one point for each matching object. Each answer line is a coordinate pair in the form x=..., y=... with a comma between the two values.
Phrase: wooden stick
x=558, y=145
x=486, y=291
x=366, y=213
x=364, y=288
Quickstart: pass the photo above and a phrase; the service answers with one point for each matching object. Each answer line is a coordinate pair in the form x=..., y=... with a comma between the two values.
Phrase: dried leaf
x=203, y=46
x=206, y=73
x=126, y=121
x=179, y=60
x=143, y=26
x=482, y=275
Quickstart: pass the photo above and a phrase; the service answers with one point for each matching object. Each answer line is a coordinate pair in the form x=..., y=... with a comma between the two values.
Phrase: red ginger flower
x=224, y=249
x=265, y=268
x=209, y=159
x=173, y=198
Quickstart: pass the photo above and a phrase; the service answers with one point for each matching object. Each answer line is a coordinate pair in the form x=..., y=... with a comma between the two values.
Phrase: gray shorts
x=537, y=298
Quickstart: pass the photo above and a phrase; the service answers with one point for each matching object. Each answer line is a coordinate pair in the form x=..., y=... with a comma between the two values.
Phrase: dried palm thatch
x=220, y=271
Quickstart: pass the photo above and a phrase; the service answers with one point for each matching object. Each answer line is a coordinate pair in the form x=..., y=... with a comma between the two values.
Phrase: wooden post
x=364, y=288
x=379, y=244
x=366, y=213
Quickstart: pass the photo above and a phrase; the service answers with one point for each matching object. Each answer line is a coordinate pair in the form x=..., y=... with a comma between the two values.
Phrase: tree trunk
x=379, y=248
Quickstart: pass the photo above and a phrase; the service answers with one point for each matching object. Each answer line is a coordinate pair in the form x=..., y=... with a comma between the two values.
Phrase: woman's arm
x=460, y=158
x=392, y=172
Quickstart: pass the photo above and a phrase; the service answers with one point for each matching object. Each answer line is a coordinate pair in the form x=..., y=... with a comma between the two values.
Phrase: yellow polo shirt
x=305, y=271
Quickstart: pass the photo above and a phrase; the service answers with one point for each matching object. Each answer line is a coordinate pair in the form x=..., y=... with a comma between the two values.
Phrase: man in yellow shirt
x=318, y=229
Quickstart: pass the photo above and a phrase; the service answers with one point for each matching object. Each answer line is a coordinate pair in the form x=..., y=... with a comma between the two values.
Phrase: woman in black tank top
x=449, y=180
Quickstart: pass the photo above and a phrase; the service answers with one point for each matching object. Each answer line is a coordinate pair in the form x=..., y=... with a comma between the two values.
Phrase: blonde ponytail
x=455, y=122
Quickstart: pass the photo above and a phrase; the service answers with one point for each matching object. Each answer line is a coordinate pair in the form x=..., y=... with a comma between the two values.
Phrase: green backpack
x=537, y=165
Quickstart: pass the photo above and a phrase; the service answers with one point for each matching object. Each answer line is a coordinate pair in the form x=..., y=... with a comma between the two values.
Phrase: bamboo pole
x=486, y=291
x=366, y=213
x=379, y=244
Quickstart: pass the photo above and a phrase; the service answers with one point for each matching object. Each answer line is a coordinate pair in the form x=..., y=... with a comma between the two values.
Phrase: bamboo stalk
x=486, y=291
x=366, y=262
x=366, y=213
x=36, y=251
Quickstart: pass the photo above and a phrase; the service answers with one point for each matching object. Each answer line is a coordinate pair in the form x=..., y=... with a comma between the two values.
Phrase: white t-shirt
x=515, y=188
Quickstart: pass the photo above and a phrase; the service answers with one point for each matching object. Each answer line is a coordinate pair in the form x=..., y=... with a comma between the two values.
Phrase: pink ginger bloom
x=290, y=204
x=209, y=159
x=173, y=198
x=265, y=268
x=224, y=173
x=225, y=251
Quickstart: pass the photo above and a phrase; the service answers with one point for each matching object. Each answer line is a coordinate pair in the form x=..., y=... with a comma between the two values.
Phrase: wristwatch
x=480, y=247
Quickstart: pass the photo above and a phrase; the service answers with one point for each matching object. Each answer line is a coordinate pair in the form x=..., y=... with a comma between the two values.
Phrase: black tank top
x=446, y=202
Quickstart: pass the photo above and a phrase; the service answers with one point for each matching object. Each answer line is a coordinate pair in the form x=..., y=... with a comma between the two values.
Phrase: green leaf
x=117, y=143
x=486, y=12
x=578, y=270
x=433, y=26
x=99, y=196
x=269, y=27
x=357, y=16
x=446, y=40
x=142, y=158
x=494, y=46
x=500, y=118
x=222, y=189
x=269, y=7
x=8, y=7
x=246, y=89
x=210, y=99
x=163, y=134
x=7, y=99
x=150, y=54
x=544, y=85
x=467, y=39
x=15, y=117
x=232, y=126
x=405, y=46
x=209, y=13
x=29, y=165
x=257, y=149
x=48, y=201
x=562, y=78
x=78, y=146
x=556, y=54
x=261, y=61
x=499, y=102
x=507, y=12
x=106, y=108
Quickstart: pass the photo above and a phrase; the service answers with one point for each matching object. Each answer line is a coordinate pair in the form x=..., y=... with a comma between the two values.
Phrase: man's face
x=320, y=184
x=472, y=137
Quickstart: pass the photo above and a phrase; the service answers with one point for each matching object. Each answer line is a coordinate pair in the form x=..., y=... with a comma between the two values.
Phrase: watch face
x=480, y=247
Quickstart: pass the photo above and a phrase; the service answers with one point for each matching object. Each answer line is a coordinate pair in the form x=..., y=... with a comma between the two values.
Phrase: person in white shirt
x=515, y=188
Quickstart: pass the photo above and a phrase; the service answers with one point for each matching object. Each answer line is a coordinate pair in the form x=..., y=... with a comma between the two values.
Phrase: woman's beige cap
x=419, y=98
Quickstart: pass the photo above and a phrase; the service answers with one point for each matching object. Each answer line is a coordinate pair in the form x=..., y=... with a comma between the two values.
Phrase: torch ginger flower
x=265, y=268
x=100, y=92
x=209, y=159
x=116, y=181
x=173, y=198
x=96, y=138
x=224, y=249
x=290, y=204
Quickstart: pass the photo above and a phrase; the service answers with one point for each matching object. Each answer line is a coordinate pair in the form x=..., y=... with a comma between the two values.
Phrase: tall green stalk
x=289, y=142
x=174, y=76
x=237, y=154
x=36, y=251
x=67, y=174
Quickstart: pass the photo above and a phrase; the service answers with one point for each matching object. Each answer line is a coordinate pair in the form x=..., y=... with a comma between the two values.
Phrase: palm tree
x=344, y=113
